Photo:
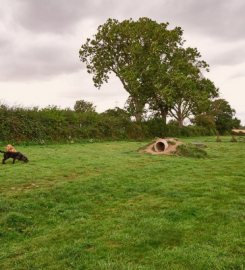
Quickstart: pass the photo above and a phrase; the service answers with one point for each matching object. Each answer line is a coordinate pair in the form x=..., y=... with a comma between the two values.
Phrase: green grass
x=104, y=206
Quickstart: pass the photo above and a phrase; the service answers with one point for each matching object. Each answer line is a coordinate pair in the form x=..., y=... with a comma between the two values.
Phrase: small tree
x=117, y=112
x=204, y=120
x=223, y=116
x=82, y=106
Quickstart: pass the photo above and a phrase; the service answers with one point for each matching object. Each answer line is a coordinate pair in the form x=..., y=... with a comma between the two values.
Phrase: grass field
x=102, y=206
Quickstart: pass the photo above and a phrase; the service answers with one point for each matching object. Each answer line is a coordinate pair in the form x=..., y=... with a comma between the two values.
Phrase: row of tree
x=18, y=124
x=154, y=67
x=219, y=116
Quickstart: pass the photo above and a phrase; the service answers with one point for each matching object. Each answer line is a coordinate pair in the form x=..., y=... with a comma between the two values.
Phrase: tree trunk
x=164, y=113
x=180, y=120
x=139, y=109
x=138, y=116
x=180, y=115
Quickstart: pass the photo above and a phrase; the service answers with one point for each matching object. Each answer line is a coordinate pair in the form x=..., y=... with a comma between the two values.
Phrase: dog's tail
x=2, y=151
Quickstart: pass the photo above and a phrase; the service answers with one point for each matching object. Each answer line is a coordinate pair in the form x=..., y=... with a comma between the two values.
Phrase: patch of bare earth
x=169, y=151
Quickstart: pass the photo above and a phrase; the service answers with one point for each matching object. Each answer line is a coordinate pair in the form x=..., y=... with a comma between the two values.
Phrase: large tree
x=152, y=65
x=181, y=86
x=131, y=50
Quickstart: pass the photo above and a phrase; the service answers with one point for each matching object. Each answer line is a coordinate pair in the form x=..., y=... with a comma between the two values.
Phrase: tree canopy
x=132, y=51
x=82, y=106
x=220, y=116
x=181, y=86
x=152, y=64
x=223, y=116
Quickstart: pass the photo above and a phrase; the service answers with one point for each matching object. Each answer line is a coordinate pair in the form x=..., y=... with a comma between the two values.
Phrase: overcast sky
x=40, y=41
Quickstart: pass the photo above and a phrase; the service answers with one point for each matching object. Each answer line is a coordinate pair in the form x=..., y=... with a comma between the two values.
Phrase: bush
x=188, y=131
x=19, y=124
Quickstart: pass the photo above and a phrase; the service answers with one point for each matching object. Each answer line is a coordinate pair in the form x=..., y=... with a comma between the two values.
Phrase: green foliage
x=236, y=123
x=155, y=127
x=204, y=120
x=31, y=126
x=35, y=126
x=219, y=116
x=82, y=106
x=185, y=90
x=223, y=116
x=173, y=130
x=132, y=50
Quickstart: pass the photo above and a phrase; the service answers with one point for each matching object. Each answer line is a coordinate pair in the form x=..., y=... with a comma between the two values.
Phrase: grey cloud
x=38, y=62
x=222, y=19
x=219, y=18
x=231, y=57
x=40, y=37
x=57, y=16
x=4, y=45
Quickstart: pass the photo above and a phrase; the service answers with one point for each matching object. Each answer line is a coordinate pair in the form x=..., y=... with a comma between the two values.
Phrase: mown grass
x=104, y=206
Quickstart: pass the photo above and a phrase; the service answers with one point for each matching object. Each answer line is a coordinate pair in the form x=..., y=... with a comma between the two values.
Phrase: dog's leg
x=13, y=160
x=3, y=161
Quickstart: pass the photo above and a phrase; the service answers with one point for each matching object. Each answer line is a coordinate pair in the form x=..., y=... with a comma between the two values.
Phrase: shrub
x=36, y=126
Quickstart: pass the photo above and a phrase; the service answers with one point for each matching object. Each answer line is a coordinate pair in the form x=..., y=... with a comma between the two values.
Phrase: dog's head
x=23, y=158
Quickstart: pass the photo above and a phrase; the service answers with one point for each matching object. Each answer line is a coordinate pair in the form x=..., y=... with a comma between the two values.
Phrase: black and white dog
x=14, y=156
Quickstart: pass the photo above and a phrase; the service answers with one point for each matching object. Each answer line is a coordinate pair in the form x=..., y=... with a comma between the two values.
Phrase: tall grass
x=104, y=206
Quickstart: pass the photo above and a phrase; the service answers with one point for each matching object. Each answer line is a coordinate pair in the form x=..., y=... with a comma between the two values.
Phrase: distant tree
x=236, y=123
x=223, y=116
x=82, y=106
x=117, y=112
x=204, y=120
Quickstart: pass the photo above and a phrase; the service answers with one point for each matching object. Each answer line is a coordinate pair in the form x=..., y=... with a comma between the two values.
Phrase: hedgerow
x=19, y=124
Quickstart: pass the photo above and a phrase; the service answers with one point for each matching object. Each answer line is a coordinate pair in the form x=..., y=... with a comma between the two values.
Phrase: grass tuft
x=191, y=151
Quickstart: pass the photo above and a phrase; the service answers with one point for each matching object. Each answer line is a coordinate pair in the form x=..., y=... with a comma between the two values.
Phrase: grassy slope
x=104, y=206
